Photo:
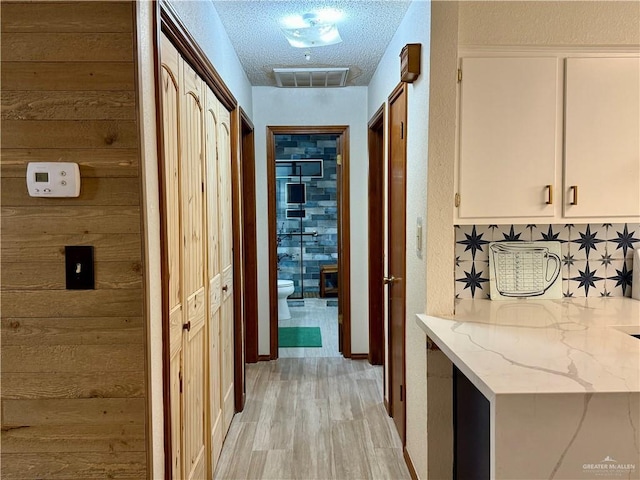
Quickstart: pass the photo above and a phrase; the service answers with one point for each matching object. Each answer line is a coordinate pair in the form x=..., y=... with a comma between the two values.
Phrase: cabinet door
x=508, y=137
x=602, y=139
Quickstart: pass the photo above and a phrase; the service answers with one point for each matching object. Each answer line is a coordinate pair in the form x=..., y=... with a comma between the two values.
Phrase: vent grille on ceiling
x=311, y=77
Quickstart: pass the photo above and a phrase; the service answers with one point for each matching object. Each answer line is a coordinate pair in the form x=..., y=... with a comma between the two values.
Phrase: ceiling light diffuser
x=311, y=30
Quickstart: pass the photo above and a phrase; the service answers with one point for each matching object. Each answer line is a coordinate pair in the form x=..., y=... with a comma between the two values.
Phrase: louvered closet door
x=226, y=263
x=216, y=424
x=171, y=70
x=194, y=339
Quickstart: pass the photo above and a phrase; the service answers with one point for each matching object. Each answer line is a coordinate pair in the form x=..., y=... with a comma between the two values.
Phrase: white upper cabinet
x=602, y=137
x=509, y=137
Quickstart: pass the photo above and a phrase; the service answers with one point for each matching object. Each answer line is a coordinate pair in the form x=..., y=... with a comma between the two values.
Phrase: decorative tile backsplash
x=596, y=258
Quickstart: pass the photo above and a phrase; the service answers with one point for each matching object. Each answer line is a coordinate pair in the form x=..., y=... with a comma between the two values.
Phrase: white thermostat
x=53, y=179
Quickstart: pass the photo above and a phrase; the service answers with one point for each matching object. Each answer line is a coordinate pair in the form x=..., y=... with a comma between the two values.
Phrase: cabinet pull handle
x=389, y=280
x=574, y=189
x=550, y=197
x=187, y=326
x=225, y=288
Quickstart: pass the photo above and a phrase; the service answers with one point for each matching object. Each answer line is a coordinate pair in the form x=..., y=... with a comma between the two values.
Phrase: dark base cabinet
x=471, y=430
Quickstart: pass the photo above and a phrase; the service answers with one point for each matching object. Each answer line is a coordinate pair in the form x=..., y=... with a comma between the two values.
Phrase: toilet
x=285, y=288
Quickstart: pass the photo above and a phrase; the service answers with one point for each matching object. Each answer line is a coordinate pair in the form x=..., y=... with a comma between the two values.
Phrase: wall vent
x=311, y=77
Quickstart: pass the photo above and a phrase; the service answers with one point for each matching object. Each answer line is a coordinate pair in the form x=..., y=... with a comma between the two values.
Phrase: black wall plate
x=79, y=268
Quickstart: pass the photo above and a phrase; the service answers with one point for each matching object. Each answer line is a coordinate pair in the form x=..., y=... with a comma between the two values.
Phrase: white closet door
x=602, y=143
x=508, y=137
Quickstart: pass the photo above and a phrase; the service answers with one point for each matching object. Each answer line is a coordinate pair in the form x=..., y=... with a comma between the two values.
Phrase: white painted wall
x=550, y=23
x=312, y=106
x=203, y=22
x=201, y=19
x=440, y=234
x=415, y=28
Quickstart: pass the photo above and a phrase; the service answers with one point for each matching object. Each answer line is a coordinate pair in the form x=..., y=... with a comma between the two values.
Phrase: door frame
x=376, y=237
x=400, y=90
x=344, y=243
x=239, y=275
x=249, y=252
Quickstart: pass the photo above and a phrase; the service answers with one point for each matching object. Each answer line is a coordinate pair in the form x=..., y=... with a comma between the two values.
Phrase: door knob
x=187, y=326
x=389, y=280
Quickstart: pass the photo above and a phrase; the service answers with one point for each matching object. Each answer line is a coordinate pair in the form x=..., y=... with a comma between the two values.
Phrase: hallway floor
x=312, y=418
x=315, y=313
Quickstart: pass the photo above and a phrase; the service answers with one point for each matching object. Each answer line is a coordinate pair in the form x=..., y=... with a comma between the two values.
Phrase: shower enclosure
x=306, y=210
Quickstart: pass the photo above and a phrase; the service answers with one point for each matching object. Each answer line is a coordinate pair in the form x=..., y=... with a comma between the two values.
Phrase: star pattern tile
x=473, y=280
x=588, y=240
x=473, y=242
x=550, y=236
x=623, y=278
x=568, y=260
x=587, y=278
x=605, y=259
x=589, y=266
x=512, y=236
x=625, y=240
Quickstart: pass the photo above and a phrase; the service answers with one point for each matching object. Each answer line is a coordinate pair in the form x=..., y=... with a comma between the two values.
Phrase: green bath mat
x=299, y=337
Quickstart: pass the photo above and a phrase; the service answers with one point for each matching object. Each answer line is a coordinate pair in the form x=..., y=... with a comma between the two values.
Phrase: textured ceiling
x=366, y=29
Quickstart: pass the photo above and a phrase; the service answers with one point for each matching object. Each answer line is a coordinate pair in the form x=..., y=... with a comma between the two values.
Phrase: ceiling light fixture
x=312, y=29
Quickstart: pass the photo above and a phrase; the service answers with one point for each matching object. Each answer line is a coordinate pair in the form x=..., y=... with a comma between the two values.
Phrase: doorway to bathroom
x=308, y=194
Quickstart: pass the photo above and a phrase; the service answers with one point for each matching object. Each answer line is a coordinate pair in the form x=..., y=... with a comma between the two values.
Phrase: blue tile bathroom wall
x=596, y=258
x=321, y=213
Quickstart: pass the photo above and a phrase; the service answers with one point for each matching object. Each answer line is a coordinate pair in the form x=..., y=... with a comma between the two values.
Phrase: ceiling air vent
x=311, y=77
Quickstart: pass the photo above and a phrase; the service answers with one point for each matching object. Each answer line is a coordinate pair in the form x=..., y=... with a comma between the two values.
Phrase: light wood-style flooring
x=313, y=418
x=315, y=313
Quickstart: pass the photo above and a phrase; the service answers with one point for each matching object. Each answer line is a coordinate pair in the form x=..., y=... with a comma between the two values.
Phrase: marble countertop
x=573, y=345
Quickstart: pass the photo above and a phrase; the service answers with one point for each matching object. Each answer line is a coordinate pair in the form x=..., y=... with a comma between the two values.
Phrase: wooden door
x=226, y=265
x=250, y=255
x=194, y=340
x=602, y=137
x=171, y=72
x=212, y=108
x=341, y=249
x=509, y=137
x=397, y=254
x=376, y=238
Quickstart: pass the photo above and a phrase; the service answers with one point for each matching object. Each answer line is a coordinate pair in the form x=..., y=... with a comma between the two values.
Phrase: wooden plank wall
x=74, y=393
